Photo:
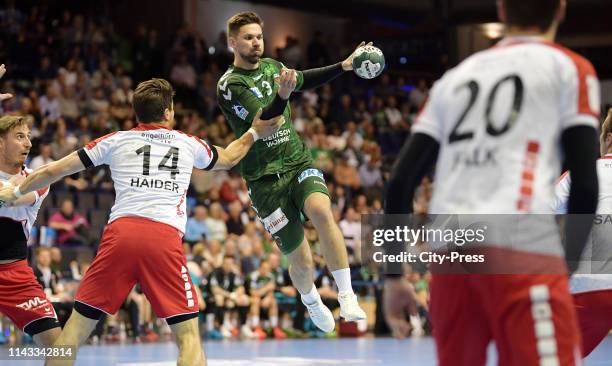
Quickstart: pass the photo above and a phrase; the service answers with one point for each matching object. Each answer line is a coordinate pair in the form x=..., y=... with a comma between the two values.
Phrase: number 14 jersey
x=151, y=169
x=498, y=117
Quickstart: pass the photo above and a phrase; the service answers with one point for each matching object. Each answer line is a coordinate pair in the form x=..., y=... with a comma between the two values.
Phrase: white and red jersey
x=151, y=169
x=25, y=215
x=597, y=257
x=498, y=118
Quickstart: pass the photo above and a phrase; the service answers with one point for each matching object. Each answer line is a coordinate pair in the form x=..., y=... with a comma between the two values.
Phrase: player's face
x=249, y=43
x=16, y=145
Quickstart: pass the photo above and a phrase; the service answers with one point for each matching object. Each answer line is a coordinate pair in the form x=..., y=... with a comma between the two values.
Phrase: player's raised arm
x=313, y=78
x=237, y=150
x=43, y=177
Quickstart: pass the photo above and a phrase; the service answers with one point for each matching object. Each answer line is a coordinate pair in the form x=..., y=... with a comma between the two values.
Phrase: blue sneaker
x=213, y=335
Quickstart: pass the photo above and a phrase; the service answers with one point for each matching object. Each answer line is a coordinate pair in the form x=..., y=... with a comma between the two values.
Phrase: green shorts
x=279, y=202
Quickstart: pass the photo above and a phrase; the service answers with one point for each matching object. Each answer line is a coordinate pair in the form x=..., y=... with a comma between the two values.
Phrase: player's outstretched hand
x=287, y=81
x=396, y=301
x=4, y=96
x=347, y=64
x=267, y=127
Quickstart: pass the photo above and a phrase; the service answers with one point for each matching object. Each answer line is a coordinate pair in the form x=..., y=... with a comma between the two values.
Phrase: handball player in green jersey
x=283, y=184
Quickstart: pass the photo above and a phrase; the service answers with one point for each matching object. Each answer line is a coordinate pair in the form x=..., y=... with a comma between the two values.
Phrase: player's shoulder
x=563, y=56
x=581, y=62
x=105, y=138
x=228, y=78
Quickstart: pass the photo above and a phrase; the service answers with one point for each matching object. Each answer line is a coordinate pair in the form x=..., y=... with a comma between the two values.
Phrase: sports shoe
x=213, y=335
x=246, y=332
x=349, y=307
x=259, y=333
x=278, y=333
x=321, y=316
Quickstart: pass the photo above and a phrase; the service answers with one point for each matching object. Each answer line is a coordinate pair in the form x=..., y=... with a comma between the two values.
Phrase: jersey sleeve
x=580, y=94
x=562, y=190
x=300, y=81
x=98, y=151
x=205, y=155
x=429, y=120
x=237, y=101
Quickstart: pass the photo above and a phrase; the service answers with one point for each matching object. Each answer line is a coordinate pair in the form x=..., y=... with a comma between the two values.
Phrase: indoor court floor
x=319, y=352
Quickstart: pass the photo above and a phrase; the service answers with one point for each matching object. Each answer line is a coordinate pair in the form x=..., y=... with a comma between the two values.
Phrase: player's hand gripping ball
x=368, y=62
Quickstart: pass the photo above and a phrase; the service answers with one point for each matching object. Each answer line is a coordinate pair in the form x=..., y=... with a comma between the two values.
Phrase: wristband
x=17, y=192
x=254, y=133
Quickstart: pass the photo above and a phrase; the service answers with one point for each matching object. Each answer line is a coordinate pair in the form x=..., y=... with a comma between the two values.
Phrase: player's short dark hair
x=540, y=13
x=151, y=98
x=7, y=123
x=246, y=17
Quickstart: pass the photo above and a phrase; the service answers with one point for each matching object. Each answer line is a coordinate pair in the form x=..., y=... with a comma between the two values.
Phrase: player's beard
x=252, y=57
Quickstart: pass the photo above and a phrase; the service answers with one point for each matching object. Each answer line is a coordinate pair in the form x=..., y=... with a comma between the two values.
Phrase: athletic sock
x=343, y=280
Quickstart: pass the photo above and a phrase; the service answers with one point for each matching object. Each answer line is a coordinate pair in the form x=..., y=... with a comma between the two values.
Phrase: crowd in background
x=73, y=78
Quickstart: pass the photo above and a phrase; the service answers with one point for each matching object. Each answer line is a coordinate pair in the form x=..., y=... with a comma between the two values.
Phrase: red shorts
x=23, y=300
x=531, y=318
x=137, y=250
x=594, y=309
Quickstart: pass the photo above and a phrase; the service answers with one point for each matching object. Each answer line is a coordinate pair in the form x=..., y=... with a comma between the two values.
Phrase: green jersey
x=240, y=93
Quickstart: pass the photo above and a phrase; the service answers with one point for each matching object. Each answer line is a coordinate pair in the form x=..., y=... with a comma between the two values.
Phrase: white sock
x=343, y=280
x=255, y=321
x=311, y=297
x=274, y=321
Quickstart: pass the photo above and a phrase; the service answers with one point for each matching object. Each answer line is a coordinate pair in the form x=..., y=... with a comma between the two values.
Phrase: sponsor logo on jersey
x=163, y=137
x=310, y=173
x=276, y=221
x=34, y=303
x=278, y=138
x=240, y=111
x=256, y=91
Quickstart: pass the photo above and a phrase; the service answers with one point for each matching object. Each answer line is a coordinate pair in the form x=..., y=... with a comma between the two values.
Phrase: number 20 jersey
x=151, y=169
x=498, y=118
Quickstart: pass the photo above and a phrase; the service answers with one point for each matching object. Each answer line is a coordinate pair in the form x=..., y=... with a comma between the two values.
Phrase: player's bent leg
x=318, y=208
x=301, y=269
x=188, y=341
x=79, y=326
x=47, y=337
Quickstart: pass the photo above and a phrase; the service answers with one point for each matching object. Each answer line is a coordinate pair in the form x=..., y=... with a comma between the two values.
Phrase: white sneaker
x=349, y=307
x=246, y=332
x=321, y=316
